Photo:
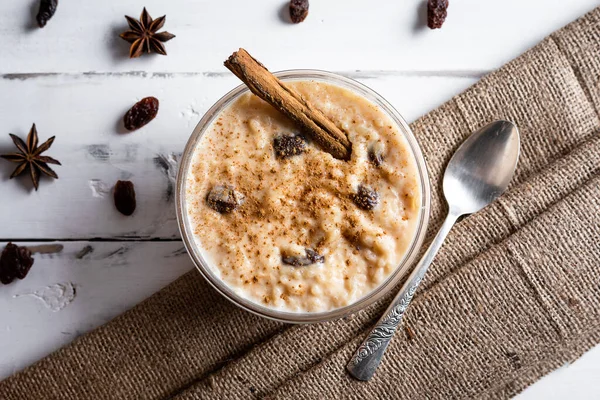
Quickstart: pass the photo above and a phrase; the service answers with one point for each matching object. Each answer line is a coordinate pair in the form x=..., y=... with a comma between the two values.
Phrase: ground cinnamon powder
x=304, y=201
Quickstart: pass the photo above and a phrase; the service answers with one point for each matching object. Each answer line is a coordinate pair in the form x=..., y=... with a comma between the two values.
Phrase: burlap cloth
x=514, y=293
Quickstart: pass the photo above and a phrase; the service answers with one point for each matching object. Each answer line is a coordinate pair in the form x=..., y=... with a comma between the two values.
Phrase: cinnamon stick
x=290, y=103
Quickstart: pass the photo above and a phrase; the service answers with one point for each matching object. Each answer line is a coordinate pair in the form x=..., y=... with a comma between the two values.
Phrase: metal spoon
x=477, y=174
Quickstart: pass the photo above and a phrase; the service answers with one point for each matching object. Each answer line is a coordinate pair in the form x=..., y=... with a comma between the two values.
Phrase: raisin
x=366, y=198
x=47, y=10
x=311, y=257
x=15, y=262
x=286, y=146
x=141, y=113
x=376, y=154
x=26, y=262
x=224, y=199
x=125, y=197
x=7, y=274
x=298, y=10
x=437, y=11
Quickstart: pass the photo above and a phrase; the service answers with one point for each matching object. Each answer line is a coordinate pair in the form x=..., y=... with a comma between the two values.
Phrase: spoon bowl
x=482, y=167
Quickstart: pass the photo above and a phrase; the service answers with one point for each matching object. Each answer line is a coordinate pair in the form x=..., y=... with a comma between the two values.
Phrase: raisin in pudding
x=284, y=224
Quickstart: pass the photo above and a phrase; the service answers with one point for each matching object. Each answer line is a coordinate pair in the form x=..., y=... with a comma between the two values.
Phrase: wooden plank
x=576, y=380
x=85, y=112
x=108, y=278
x=342, y=35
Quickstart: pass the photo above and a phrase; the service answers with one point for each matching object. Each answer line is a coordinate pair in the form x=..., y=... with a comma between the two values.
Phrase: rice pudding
x=283, y=223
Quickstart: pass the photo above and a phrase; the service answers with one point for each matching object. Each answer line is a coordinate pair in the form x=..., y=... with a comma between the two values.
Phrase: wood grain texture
x=85, y=113
x=109, y=278
x=337, y=35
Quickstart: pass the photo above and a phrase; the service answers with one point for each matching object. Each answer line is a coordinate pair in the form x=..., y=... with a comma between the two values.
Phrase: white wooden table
x=74, y=80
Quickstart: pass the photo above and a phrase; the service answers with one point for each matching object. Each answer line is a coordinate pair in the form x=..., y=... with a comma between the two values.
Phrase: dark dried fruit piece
x=298, y=10
x=366, y=198
x=141, y=113
x=47, y=10
x=286, y=146
x=376, y=153
x=311, y=257
x=15, y=262
x=314, y=256
x=125, y=197
x=437, y=11
x=224, y=199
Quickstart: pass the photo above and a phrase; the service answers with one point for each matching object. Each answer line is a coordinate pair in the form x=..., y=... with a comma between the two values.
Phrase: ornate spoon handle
x=363, y=364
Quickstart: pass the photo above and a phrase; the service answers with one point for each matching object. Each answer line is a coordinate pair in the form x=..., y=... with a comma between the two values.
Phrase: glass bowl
x=304, y=317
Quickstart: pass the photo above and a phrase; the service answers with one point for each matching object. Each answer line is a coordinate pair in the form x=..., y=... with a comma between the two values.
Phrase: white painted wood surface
x=109, y=278
x=85, y=113
x=74, y=80
x=338, y=35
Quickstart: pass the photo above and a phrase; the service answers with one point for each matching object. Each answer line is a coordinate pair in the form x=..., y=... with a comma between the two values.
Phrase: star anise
x=30, y=155
x=143, y=35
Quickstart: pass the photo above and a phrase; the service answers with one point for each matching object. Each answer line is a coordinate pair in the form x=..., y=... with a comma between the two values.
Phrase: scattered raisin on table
x=47, y=10
x=286, y=146
x=311, y=257
x=366, y=198
x=125, y=197
x=15, y=262
x=141, y=113
x=437, y=11
x=376, y=151
x=224, y=199
x=298, y=10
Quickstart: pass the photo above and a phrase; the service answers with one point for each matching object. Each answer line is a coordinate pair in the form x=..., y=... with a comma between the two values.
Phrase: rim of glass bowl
x=303, y=317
